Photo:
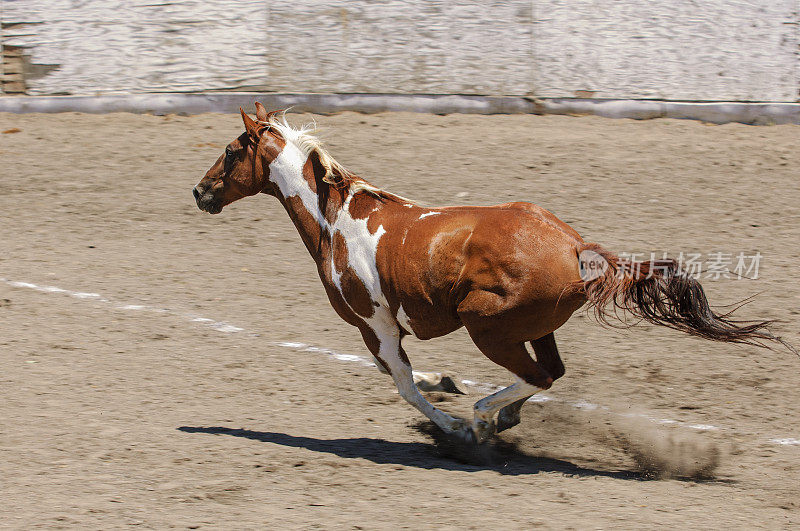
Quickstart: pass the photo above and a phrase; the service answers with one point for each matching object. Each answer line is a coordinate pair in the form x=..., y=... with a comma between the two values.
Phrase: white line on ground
x=224, y=327
x=789, y=441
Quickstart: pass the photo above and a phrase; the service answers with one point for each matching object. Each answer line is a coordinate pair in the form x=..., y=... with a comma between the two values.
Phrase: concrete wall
x=677, y=50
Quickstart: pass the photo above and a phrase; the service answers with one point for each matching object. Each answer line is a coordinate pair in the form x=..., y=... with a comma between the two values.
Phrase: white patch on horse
x=404, y=320
x=362, y=248
x=426, y=214
x=287, y=172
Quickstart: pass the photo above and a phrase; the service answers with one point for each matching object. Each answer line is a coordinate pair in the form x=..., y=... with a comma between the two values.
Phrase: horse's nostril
x=196, y=193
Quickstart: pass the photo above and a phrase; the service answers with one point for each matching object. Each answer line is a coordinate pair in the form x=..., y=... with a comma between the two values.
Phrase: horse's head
x=243, y=169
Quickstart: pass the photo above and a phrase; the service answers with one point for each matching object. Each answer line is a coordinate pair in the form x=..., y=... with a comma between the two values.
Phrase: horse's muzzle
x=206, y=201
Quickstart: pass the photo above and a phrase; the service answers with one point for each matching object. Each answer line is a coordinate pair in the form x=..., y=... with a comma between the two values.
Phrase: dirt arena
x=159, y=366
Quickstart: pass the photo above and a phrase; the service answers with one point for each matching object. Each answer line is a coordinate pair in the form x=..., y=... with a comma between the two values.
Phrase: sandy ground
x=122, y=409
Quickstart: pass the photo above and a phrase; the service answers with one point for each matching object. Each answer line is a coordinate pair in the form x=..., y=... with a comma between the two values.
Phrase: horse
x=511, y=274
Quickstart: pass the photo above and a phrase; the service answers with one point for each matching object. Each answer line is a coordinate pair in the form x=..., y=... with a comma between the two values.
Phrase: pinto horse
x=511, y=274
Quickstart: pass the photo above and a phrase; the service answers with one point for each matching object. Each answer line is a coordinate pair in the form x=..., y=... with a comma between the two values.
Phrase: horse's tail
x=660, y=292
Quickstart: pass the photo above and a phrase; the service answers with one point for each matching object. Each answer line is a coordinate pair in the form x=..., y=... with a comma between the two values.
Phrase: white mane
x=303, y=139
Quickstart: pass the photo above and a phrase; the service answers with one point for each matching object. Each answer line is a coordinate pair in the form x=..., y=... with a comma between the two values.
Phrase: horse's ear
x=249, y=125
x=261, y=112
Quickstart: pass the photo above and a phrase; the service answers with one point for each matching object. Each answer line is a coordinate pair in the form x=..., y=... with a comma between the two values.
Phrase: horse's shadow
x=503, y=458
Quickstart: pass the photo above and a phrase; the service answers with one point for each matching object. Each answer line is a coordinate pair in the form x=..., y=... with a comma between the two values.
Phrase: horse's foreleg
x=384, y=343
x=379, y=365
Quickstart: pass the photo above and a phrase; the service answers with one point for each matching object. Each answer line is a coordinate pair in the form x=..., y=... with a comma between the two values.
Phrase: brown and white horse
x=511, y=274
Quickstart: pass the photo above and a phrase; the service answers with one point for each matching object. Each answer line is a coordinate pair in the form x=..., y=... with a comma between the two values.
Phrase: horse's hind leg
x=510, y=415
x=484, y=426
x=384, y=343
x=531, y=378
x=547, y=356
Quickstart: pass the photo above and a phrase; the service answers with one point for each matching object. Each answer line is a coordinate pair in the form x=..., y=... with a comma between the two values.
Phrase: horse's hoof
x=468, y=436
x=457, y=426
x=434, y=381
x=483, y=430
x=507, y=421
x=463, y=446
x=449, y=386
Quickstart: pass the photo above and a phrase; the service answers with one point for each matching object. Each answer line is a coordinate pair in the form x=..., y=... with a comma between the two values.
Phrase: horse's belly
x=432, y=325
x=424, y=315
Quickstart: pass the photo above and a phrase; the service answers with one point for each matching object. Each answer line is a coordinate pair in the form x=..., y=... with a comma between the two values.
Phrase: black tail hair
x=660, y=292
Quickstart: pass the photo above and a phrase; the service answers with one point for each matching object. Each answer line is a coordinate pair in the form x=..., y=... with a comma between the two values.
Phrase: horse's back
x=543, y=215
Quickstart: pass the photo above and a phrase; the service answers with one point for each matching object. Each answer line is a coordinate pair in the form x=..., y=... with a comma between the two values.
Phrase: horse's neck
x=302, y=203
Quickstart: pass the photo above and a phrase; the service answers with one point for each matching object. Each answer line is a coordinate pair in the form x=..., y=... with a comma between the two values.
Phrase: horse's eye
x=229, y=155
